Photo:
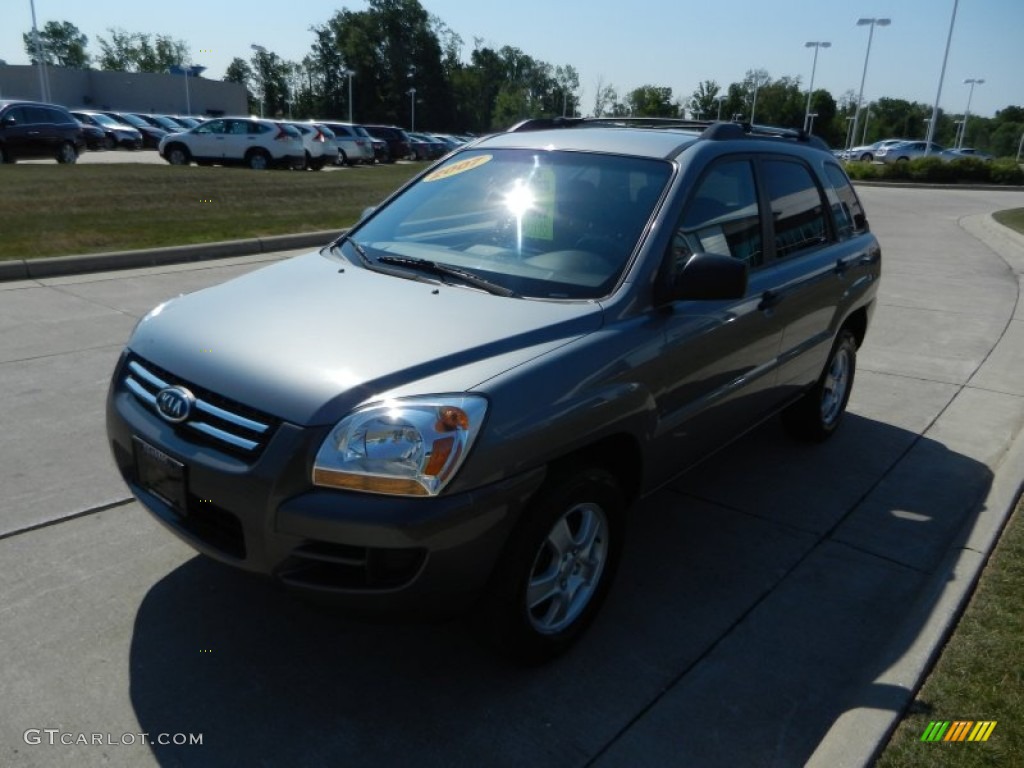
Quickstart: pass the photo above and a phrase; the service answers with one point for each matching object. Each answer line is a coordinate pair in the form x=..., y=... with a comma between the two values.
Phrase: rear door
x=815, y=257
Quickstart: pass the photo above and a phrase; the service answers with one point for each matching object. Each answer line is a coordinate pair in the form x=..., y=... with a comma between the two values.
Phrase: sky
x=673, y=43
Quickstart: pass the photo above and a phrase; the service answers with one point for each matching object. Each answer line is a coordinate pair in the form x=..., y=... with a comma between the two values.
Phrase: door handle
x=769, y=299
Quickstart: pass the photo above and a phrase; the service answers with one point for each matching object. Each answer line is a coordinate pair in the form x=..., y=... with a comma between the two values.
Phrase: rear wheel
x=817, y=415
x=258, y=160
x=67, y=154
x=557, y=567
x=110, y=142
x=342, y=157
x=867, y=157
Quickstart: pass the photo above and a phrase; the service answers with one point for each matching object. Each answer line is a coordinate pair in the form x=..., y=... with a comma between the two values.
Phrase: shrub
x=970, y=169
x=931, y=169
x=1005, y=170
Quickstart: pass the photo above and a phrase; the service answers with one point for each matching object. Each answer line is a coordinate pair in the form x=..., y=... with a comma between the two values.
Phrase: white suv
x=318, y=145
x=247, y=141
x=354, y=144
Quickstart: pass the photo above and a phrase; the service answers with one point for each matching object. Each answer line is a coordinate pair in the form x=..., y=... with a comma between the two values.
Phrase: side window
x=722, y=217
x=17, y=115
x=38, y=115
x=212, y=126
x=239, y=128
x=796, y=207
x=846, y=210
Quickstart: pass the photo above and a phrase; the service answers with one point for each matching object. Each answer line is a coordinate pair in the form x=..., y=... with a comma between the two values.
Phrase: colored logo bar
x=958, y=730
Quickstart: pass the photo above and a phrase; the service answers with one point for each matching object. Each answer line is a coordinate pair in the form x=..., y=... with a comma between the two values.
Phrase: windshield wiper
x=447, y=270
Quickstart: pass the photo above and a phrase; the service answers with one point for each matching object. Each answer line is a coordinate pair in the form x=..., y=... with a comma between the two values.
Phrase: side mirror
x=10, y=121
x=709, y=277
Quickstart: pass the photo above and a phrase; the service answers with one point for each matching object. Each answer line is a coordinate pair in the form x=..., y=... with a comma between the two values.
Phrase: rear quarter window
x=846, y=208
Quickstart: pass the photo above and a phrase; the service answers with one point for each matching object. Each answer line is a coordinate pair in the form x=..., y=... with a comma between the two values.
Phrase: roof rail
x=712, y=130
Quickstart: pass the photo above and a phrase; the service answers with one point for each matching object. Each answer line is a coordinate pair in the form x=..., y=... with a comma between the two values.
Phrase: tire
x=67, y=154
x=867, y=157
x=817, y=415
x=177, y=154
x=342, y=158
x=902, y=159
x=6, y=158
x=557, y=567
x=317, y=165
x=258, y=160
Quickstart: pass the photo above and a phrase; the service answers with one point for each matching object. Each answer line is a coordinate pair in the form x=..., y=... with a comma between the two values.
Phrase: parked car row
x=903, y=150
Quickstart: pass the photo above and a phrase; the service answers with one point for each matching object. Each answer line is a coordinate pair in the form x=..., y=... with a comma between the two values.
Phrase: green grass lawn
x=58, y=210
x=980, y=674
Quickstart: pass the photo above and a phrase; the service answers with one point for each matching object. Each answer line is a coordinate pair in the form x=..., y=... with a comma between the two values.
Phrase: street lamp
x=810, y=88
x=942, y=75
x=860, y=96
x=810, y=121
x=412, y=109
x=263, y=81
x=972, y=81
x=348, y=73
x=720, y=98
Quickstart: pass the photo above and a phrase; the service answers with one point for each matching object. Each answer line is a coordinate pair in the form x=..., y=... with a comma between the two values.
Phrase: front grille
x=215, y=420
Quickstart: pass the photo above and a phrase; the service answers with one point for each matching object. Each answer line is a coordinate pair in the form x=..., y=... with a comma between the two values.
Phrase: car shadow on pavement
x=758, y=597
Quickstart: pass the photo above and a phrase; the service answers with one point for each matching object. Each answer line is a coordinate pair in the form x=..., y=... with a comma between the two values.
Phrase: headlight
x=407, y=447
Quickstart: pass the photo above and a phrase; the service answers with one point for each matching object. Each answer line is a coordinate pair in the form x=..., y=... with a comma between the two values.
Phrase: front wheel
x=557, y=567
x=178, y=155
x=817, y=415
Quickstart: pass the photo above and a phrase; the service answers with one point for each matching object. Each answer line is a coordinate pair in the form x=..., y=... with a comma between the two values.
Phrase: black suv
x=560, y=320
x=399, y=146
x=30, y=130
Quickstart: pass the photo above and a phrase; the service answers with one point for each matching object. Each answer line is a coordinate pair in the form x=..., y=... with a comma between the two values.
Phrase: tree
x=63, y=45
x=568, y=80
x=703, y=102
x=652, y=101
x=239, y=71
x=141, y=52
x=604, y=98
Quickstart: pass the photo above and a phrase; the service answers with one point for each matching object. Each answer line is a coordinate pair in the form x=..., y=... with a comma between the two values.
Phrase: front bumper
x=375, y=554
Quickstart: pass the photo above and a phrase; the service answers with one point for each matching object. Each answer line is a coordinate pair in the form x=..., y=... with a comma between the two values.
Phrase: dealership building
x=168, y=94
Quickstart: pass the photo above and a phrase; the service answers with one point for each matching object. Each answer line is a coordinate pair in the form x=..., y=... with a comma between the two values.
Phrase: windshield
x=547, y=224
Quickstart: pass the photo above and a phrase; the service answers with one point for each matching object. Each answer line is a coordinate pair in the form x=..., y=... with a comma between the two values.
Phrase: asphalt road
x=779, y=589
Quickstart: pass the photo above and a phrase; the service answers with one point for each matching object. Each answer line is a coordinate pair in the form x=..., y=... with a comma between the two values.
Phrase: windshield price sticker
x=456, y=168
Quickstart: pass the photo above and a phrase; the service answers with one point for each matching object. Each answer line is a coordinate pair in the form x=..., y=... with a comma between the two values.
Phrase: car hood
x=310, y=338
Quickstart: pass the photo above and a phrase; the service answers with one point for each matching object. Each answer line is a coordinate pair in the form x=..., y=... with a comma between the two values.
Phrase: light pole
x=849, y=132
x=860, y=96
x=867, y=119
x=263, y=80
x=412, y=109
x=972, y=81
x=348, y=73
x=810, y=88
x=942, y=75
x=957, y=126
x=928, y=124
x=720, y=98
x=753, y=107
x=44, y=91
x=810, y=121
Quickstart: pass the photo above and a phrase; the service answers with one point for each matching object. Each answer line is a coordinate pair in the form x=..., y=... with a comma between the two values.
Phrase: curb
x=32, y=269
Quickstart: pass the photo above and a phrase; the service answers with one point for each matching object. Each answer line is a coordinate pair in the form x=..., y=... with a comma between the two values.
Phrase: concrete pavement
x=777, y=607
